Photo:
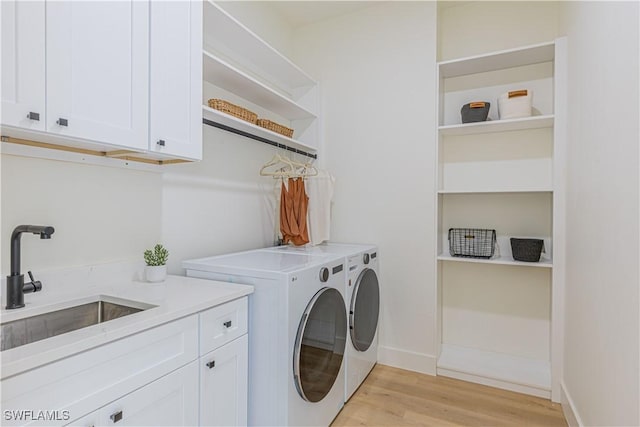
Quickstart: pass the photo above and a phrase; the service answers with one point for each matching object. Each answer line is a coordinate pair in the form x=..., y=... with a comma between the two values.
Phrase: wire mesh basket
x=472, y=242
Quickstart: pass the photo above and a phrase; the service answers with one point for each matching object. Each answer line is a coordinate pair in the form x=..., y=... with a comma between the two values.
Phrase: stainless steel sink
x=35, y=328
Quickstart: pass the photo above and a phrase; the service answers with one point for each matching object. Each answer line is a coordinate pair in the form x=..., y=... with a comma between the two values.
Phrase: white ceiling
x=300, y=13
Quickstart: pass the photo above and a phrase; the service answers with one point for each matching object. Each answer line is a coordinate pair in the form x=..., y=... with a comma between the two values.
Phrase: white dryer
x=297, y=332
x=362, y=293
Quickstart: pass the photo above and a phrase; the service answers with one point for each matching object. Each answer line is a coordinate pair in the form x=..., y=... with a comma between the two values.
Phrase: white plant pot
x=157, y=273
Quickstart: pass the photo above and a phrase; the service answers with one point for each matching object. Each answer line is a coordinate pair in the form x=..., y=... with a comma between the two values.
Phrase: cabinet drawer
x=223, y=324
x=89, y=380
x=169, y=401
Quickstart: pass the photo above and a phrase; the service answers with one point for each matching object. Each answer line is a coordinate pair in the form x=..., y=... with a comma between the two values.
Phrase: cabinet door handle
x=62, y=122
x=211, y=364
x=227, y=324
x=33, y=116
x=116, y=417
x=160, y=142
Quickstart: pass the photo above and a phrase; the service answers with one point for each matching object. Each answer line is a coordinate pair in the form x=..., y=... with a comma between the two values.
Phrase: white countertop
x=175, y=298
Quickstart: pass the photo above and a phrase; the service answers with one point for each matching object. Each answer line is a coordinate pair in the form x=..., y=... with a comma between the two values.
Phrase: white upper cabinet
x=98, y=71
x=176, y=78
x=23, y=64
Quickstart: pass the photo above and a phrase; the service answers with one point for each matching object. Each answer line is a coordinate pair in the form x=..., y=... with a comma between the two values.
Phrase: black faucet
x=16, y=288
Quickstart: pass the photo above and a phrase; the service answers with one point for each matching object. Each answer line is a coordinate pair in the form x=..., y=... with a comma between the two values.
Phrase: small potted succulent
x=156, y=259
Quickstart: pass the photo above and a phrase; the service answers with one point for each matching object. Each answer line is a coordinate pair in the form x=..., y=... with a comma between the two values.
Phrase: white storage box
x=514, y=104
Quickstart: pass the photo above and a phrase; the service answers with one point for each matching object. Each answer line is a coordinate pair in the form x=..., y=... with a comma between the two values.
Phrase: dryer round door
x=320, y=345
x=364, y=310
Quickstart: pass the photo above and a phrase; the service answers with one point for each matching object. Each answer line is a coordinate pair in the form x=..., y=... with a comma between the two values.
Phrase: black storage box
x=527, y=250
x=472, y=242
x=475, y=112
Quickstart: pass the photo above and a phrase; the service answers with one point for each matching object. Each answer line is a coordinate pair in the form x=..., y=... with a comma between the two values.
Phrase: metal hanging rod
x=257, y=138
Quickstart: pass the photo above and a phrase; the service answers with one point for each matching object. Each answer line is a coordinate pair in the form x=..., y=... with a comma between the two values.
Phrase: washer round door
x=320, y=345
x=364, y=310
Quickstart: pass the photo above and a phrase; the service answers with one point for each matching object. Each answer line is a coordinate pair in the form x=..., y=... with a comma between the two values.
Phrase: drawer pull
x=116, y=417
x=161, y=142
x=211, y=364
x=33, y=116
x=62, y=122
x=227, y=324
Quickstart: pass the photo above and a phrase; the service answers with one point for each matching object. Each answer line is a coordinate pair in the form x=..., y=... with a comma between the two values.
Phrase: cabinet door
x=23, y=64
x=169, y=401
x=98, y=71
x=176, y=78
x=223, y=385
x=90, y=420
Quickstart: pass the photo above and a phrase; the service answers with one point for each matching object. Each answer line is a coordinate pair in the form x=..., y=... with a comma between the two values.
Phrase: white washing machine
x=362, y=293
x=297, y=332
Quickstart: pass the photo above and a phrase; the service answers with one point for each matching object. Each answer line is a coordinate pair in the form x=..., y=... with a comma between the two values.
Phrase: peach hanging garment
x=293, y=213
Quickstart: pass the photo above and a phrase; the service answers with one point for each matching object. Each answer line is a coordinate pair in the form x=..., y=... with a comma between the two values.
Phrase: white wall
x=100, y=214
x=221, y=204
x=263, y=20
x=376, y=68
x=477, y=27
x=601, y=369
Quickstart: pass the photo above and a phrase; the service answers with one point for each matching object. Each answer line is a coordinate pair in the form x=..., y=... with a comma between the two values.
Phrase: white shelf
x=501, y=60
x=243, y=126
x=535, y=122
x=220, y=73
x=224, y=33
x=518, y=371
x=498, y=191
x=497, y=261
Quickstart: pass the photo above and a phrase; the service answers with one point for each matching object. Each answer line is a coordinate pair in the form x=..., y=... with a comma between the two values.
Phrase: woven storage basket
x=527, y=250
x=475, y=112
x=515, y=104
x=234, y=110
x=275, y=127
x=472, y=242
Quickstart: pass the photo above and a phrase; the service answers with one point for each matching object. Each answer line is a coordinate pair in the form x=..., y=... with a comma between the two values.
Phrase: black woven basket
x=527, y=250
x=472, y=242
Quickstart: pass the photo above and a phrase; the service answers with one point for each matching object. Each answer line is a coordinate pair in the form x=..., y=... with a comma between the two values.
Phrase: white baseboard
x=491, y=382
x=409, y=360
x=569, y=408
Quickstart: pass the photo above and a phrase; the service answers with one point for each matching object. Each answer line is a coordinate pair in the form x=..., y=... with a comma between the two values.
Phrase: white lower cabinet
x=223, y=385
x=169, y=401
x=191, y=371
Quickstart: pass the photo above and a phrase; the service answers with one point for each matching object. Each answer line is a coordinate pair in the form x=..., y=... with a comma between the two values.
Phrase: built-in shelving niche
x=495, y=316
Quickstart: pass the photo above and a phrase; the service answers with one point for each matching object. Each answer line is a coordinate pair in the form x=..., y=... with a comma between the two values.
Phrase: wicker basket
x=234, y=110
x=275, y=127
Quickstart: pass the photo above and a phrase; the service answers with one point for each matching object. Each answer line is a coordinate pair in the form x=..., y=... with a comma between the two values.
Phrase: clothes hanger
x=289, y=168
x=307, y=169
x=286, y=170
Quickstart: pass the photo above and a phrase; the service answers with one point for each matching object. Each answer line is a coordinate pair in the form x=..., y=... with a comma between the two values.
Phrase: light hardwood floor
x=395, y=397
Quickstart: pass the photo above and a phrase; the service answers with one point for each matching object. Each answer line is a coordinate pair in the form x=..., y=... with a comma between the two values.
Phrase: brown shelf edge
x=116, y=154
